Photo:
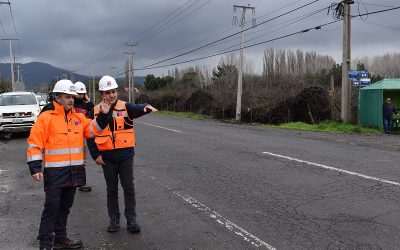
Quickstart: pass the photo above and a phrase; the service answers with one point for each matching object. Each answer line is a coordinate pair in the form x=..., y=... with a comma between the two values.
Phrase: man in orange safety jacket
x=56, y=141
x=114, y=151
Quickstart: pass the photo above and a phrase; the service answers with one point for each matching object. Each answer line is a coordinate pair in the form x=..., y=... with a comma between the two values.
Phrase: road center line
x=334, y=169
x=177, y=131
x=232, y=227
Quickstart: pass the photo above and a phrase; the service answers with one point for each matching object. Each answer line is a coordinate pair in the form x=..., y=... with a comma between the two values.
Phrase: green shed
x=371, y=99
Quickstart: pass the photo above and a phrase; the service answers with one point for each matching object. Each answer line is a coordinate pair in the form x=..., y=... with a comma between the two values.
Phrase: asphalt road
x=212, y=185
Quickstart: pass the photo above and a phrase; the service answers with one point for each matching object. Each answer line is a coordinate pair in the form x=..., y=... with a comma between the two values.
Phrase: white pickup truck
x=18, y=111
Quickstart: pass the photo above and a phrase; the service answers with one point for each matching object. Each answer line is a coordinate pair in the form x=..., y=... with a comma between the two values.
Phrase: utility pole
x=346, y=82
x=94, y=90
x=73, y=76
x=332, y=95
x=11, y=62
x=240, y=77
x=113, y=70
x=131, y=81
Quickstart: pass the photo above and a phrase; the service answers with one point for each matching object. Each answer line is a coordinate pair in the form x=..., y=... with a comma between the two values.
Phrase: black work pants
x=55, y=214
x=124, y=170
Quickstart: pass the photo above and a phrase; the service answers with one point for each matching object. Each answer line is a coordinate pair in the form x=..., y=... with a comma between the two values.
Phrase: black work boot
x=132, y=226
x=114, y=225
x=85, y=188
x=67, y=244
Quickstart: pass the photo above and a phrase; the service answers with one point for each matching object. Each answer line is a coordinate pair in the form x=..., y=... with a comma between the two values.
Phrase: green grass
x=328, y=127
x=184, y=115
x=323, y=126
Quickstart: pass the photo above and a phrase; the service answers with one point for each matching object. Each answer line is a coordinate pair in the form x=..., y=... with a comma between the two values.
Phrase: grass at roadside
x=184, y=115
x=328, y=127
x=323, y=126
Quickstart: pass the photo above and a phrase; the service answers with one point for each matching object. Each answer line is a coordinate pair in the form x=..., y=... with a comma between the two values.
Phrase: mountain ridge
x=38, y=74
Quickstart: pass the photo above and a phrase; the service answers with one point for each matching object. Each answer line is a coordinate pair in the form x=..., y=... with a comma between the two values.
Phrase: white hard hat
x=64, y=86
x=107, y=83
x=80, y=88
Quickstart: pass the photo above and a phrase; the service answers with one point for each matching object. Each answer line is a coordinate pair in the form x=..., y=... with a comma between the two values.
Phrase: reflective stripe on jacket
x=119, y=133
x=57, y=138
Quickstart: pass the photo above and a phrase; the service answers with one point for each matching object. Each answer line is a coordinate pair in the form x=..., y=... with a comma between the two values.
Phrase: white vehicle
x=18, y=111
x=41, y=101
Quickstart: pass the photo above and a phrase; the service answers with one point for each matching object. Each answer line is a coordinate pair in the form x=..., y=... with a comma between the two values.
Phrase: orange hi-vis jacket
x=57, y=138
x=121, y=134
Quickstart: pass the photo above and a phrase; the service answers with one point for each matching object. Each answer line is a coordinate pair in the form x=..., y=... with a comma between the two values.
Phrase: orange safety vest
x=122, y=135
x=59, y=137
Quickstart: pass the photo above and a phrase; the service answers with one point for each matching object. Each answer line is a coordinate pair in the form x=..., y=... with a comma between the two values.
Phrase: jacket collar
x=59, y=109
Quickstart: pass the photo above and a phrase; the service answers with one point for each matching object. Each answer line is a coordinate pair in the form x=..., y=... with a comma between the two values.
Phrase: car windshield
x=6, y=100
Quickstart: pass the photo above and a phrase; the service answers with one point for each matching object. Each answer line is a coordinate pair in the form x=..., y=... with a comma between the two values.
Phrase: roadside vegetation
x=327, y=127
x=323, y=126
x=184, y=115
x=293, y=86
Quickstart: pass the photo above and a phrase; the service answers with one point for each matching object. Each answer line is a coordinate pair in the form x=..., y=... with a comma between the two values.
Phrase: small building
x=371, y=99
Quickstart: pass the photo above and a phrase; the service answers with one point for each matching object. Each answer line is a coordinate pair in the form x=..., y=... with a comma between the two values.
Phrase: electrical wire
x=358, y=8
x=226, y=37
x=319, y=27
x=381, y=25
x=118, y=50
x=15, y=28
x=286, y=24
x=222, y=32
x=156, y=32
x=289, y=22
x=162, y=20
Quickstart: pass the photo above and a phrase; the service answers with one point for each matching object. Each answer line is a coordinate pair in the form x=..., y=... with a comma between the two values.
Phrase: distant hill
x=36, y=74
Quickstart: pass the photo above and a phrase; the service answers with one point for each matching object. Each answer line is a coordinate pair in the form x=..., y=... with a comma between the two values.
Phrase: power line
x=381, y=25
x=15, y=28
x=267, y=41
x=226, y=37
x=161, y=29
x=289, y=22
x=162, y=20
x=295, y=20
x=222, y=32
x=248, y=46
x=116, y=52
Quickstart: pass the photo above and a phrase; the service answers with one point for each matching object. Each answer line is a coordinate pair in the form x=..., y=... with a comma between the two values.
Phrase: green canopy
x=371, y=98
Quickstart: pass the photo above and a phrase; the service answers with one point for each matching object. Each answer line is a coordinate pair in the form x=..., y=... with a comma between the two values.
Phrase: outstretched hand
x=149, y=109
x=104, y=106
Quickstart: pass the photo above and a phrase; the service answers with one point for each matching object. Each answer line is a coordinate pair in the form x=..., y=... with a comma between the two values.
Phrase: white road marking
x=232, y=227
x=177, y=131
x=334, y=169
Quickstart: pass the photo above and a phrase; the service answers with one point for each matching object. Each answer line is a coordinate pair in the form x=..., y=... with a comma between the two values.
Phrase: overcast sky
x=89, y=35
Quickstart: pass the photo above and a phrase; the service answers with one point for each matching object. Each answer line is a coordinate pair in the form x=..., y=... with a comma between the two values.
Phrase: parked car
x=41, y=101
x=18, y=111
x=45, y=96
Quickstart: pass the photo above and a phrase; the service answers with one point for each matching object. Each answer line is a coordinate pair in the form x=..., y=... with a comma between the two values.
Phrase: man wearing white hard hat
x=114, y=151
x=56, y=140
x=83, y=105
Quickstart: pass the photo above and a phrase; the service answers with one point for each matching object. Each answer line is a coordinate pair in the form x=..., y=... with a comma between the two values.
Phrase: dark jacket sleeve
x=35, y=166
x=93, y=150
x=135, y=110
x=89, y=107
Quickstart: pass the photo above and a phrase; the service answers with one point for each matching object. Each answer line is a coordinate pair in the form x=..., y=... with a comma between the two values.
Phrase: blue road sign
x=361, y=82
x=354, y=74
x=356, y=82
x=365, y=81
x=364, y=73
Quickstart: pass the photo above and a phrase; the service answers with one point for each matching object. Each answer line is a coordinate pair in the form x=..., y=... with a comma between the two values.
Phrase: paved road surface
x=212, y=185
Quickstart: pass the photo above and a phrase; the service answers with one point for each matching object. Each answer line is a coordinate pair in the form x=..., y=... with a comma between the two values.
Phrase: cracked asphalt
x=208, y=185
